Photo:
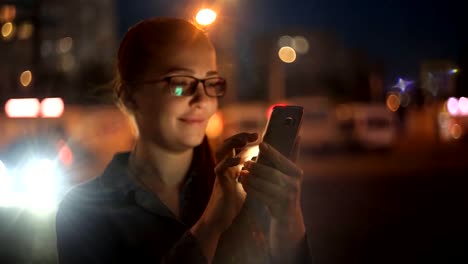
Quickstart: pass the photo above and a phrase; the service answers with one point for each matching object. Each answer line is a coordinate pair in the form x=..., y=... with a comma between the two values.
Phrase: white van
x=371, y=126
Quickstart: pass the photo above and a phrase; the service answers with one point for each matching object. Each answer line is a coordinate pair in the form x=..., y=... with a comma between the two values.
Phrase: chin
x=193, y=141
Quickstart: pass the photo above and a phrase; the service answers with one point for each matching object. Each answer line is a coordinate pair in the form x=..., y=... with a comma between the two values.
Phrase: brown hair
x=146, y=43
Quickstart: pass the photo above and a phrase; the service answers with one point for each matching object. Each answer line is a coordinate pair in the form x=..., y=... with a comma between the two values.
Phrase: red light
x=22, y=108
x=270, y=109
x=52, y=107
x=65, y=154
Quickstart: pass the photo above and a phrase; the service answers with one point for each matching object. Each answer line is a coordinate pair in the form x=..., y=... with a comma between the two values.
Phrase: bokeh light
x=65, y=154
x=452, y=105
x=300, y=45
x=52, y=107
x=215, y=126
x=7, y=13
x=64, y=45
x=405, y=99
x=454, y=71
x=285, y=41
x=26, y=78
x=25, y=31
x=206, y=17
x=393, y=102
x=463, y=105
x=287, y=54
x=8, y=30
x=456, y=131
x=22, y=108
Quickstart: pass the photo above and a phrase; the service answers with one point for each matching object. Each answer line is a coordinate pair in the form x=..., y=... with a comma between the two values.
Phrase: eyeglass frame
x=167, y=79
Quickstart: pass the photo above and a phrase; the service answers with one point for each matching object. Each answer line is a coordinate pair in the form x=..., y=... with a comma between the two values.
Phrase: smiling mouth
x=192, y=121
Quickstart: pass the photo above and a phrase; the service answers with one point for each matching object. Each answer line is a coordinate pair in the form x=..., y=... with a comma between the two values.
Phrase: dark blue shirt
x=111, y=219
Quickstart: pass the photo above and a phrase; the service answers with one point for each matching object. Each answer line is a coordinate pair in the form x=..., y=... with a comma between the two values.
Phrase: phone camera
x=289, y=121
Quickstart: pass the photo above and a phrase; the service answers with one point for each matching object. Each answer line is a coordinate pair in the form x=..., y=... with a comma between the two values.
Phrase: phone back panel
x=283, y=128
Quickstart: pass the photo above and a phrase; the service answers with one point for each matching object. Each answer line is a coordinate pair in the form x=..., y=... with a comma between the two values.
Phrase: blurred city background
x=384, y=136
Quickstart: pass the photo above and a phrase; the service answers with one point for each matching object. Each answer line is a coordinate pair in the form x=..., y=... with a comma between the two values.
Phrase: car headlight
x=6, y=184
x=34, y=186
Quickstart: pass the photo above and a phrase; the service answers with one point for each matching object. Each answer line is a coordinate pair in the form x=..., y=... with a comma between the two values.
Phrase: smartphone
x=282, y=130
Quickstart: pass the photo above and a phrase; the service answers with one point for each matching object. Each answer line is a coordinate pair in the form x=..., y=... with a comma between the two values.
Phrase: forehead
x=197, y=59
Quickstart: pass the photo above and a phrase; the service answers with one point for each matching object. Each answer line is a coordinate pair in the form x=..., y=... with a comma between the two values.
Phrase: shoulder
x=102, y=190
x=83, y=197
x=88, y=189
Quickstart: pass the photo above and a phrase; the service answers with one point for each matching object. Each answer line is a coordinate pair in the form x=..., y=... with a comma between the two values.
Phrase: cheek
x=171, y=109
x=213, y=107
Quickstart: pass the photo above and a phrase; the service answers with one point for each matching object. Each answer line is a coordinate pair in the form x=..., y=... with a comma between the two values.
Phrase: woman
x=167, y=201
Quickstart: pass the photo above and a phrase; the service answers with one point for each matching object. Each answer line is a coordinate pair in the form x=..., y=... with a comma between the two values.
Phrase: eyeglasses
x=187, y=85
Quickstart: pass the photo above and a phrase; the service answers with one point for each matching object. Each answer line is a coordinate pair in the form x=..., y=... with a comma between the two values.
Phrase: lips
x=192, y=120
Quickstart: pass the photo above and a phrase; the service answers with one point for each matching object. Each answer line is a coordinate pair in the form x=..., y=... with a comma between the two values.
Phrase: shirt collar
x=117, y=179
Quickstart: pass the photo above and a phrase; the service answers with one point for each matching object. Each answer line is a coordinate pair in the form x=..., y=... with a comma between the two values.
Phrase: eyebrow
x=181, y=69
x=211, y=73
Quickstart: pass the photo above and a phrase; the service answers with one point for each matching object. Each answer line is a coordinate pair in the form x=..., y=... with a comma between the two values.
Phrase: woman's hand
x=279, y=188
x=228, y=195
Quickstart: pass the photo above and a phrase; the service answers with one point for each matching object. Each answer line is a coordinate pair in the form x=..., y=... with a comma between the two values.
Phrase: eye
x=182, y=82
x=181, y=85
x=215, y=82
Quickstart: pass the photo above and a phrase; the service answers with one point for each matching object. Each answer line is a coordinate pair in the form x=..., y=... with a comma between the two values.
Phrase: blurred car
x=35, y=172
x=368, y=126
x=319, y=129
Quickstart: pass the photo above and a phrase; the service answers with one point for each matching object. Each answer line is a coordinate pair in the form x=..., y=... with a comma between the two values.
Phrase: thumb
x=223, y=167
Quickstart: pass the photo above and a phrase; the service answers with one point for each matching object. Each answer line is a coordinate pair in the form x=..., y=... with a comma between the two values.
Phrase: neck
x=160, y=167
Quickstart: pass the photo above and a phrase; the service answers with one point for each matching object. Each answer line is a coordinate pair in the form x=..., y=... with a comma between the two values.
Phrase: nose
x=200, y=98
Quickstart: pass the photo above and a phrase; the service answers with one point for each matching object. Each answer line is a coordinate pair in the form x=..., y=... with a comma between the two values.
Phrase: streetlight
x=205, y=17
x=287, y=54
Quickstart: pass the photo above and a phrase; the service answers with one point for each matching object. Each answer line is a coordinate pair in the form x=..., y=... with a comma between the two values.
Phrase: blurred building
x=57, y=42
x=438, y=78
x=462, y=75
x=323, y=66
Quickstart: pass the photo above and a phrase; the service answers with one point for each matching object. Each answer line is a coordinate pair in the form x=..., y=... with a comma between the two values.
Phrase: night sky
x=401, y=33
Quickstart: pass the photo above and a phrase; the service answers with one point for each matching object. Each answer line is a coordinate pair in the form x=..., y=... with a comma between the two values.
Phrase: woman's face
x=176, y=123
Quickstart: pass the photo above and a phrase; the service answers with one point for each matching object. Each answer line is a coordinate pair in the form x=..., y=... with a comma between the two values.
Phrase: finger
x=267, y=173
x=280, y=161
x=235, y=142
x=254, y=193
x=296, y=149
x=227, y=163
x=269, y=193
x=242, y=175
